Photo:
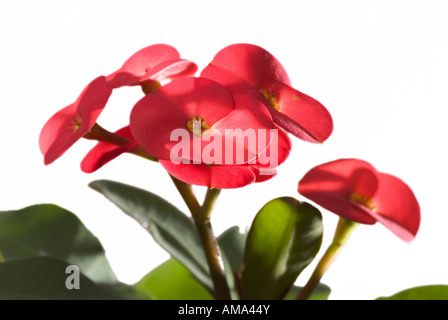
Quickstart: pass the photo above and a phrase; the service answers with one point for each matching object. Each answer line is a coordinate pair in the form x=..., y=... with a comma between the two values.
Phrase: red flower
x=202, y=113
x=154, y=63
x=68, y=125
x=246, y=68
x=146, y=67
x=355, y=190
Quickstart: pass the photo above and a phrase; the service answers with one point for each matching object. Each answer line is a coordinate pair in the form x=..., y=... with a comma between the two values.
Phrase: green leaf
x=284, y=238
x=44, y=278
x=172, y=281
x=232, y=243
x=320, y=292
x=170, y=228
x=49, y=230
x=430, y=292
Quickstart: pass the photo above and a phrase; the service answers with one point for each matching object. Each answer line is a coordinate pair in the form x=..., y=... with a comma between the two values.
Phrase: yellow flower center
x=76, y=123
x=270, y=97
x=150, y=85
x=198, y=126
x=362, y=200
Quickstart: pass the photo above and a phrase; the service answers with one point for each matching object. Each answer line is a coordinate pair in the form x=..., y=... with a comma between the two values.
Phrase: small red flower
x=246, y=68
x=146, y=67
x=153, y=63
x=355, y=190
x=210, y=156
x=70, y=124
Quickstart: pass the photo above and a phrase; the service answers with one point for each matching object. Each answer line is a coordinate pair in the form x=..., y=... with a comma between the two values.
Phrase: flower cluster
x=226, y=128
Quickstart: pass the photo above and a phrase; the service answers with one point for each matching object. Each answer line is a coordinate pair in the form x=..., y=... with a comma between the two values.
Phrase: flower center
x=362, y=200
x=198, y=126
x=76, y=123
x=149, y=86
x=270, y=97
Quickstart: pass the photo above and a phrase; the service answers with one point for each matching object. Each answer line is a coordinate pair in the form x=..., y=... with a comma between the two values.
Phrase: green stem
x=211, y=248
x=342, y=234
x=201, y=216
x=2, y=259
x=186, y=192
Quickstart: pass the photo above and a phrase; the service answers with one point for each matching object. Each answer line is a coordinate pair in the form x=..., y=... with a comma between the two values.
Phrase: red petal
x=249, y=119
x=396, y=207
x=157, y=115
x=282, y=146
x=263, y=174
x=140, y=63
x=227, y=78
x=104, y=152
x=59, y=132
x=253, y=64
x=171, y=69
x=221, y=177
x=300, y=114
x=92, y=101
x=120, y=79
x=332, y=184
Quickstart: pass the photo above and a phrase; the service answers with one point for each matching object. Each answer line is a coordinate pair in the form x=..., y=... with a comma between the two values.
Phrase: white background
x=380, y=67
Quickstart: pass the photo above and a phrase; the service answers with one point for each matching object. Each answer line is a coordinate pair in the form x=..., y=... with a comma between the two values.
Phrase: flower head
x=200, y=132
x=244, y=68
x=70, y=124
x=151, y=64
x=147, y=68
x=355, y=190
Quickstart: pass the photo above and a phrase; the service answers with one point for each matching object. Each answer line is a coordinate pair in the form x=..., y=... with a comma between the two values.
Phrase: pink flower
x=147, y=68
x=151, y=65
x=200, y=112
x=355, y=190
x=70, y=124
x=244, y=68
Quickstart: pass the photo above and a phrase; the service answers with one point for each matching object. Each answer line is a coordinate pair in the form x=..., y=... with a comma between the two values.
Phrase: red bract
x=225, y=177
x=104, y=152
x=68, y=125
x=155, y=62
x=186, y=124
x=355, y=190
x=246, y=68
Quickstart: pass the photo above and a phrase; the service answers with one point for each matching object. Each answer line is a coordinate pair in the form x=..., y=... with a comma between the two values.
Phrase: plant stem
x=211, y=248
x=2, y=259
x=186, y=191
x=342, y=234
x=99, y=133
x=201, y=216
